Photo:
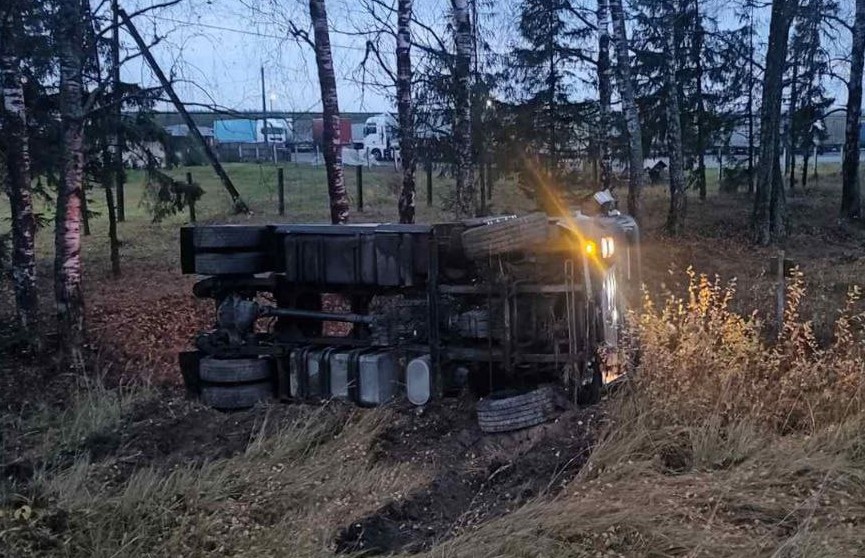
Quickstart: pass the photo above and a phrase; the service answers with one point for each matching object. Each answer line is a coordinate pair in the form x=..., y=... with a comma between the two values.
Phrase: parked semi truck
x=270, y=130
x=380, y=139
x=369, y=313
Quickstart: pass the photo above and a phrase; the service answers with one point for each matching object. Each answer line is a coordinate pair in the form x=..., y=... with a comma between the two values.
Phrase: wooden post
x=780, y=292
x=429, y=200
x=280, y=189
x=85, y=214
x=360, y=188
x=720, y=167
x=190, y=201
x=239, y=204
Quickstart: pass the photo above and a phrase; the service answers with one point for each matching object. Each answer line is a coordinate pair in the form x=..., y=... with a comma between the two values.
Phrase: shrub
x=699, y=359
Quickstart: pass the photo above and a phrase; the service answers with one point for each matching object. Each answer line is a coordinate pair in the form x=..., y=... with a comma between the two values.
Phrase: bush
x=699, y=359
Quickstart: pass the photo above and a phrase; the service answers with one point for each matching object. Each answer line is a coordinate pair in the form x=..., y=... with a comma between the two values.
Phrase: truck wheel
x=234, y=370
x=505, y=236
x=240, y=263
x=376, y=154
x=503, y=413
x=236, y=397
x=228, y=236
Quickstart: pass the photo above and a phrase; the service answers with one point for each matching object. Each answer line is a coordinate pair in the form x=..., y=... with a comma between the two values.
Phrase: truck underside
x=373, y=312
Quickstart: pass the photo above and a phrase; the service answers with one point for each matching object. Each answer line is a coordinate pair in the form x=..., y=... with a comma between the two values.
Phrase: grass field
x=727, y=444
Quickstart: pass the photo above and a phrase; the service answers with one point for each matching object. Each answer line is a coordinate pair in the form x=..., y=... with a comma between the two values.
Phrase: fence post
x=360, y=188
x=190, y=200
x=429, y=200
x=280, y=189
x=780, y=292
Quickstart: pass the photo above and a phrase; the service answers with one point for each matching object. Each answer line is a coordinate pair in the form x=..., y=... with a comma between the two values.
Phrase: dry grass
x=295, y=486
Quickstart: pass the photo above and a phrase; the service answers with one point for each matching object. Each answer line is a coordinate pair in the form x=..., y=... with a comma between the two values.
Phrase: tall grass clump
x=700, y=361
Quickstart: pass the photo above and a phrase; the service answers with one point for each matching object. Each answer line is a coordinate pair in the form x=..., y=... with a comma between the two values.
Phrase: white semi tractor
x=381, y=137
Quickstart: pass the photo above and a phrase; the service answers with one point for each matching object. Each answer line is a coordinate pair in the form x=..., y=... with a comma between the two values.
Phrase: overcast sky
x=215, y=48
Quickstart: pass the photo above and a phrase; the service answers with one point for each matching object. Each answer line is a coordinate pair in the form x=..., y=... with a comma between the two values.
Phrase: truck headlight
x=608, y=247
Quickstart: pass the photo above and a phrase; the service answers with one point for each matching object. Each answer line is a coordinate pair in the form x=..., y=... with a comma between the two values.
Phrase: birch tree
x=699, y=116
x=17, y=167
x=678, y=199
x=851, y=203
x=770, y=204
x=405, y=111
x=332, y=146
x=629, y=105
x=465, y=178
x=69, y=299
x=604, y=94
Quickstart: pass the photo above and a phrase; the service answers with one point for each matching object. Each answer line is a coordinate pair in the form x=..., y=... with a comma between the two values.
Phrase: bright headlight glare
x=608, y=247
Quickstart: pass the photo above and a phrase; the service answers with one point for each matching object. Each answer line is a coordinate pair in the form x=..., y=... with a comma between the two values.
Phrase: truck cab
x=380, y=137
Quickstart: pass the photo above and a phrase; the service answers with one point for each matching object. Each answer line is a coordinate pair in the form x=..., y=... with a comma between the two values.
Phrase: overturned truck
x=369, y=313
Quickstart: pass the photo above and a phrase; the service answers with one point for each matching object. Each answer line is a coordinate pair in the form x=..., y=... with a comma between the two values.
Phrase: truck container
x=344, y=131
x=245, y=130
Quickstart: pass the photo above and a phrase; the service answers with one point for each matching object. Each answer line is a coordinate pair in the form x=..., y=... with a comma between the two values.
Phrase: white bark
x=405, y=111
x=67, y=241
x=678, y=199
x=629, y=103
x=15, y=138
x=332, y=145
x=465, y=179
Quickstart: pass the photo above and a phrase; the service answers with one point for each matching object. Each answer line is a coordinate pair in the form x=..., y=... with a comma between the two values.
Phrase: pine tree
x=545, y=66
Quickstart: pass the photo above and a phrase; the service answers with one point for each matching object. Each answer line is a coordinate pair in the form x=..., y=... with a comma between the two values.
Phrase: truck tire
x=503, y=414
x=242, y=396
x=210, y=237
x=505, y=236
x=234, y=370
x=240, y=263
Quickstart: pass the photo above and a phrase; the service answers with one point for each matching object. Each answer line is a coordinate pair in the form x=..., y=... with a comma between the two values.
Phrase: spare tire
x=236, y=397
x=240, y=263
x=234, y=370
x=504, y=413
x=501, y=237
x=210, y=237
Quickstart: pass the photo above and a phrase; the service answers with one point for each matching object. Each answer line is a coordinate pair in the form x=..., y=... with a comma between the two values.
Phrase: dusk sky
x=215, y=48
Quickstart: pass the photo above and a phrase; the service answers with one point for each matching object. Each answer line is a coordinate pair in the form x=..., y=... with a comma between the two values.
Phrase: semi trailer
x=373, y=312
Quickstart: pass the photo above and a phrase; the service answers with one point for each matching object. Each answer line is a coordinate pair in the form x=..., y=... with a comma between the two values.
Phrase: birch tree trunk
x=465, y=180
x=769, y=202
x=15, y=140
x=678, y=199
x=332, y=146
x=605, y=158
x=791, y=118
x=629, y=104
x=701, y=106
x=851, y=204
x=751, y=81
x=404, y=111
x=67, y=240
